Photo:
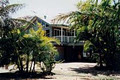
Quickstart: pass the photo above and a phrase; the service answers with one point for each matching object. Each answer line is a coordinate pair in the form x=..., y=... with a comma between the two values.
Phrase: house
x=68, y=50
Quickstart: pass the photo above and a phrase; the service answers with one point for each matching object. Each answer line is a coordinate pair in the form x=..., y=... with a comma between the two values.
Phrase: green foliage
x=26, y=50
x=7, y=38
x=22, y=49
x=43, y=50
x=87, y=46
x=99, y=24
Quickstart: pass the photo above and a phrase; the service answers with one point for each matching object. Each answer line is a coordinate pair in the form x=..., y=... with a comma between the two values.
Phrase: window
x=57, y=32
x=44, y=24
x=47, y=25
x=64, y=33
x=48, y=33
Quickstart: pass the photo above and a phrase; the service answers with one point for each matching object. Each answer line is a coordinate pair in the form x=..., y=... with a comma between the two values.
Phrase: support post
x=61, y=34
x=74, y=36
x=74, y=32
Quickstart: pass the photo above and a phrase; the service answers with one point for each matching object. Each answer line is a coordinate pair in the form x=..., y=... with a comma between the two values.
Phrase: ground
x=78, y=71
x=81, y=71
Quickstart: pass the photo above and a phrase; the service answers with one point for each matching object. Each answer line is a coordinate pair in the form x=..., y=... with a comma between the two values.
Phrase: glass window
x=57, y=32
x=48, y=33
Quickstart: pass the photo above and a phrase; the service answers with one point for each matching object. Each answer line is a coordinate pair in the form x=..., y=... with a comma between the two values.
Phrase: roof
x=32, y=19
x=28, y=18
x=60, y=25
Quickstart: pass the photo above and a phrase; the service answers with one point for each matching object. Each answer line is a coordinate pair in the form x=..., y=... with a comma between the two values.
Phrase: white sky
x=50, y=8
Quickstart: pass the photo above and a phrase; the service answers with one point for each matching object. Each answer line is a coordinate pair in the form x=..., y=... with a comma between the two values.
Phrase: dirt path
x=68, y=71
x=80, y=71
x=77, y=71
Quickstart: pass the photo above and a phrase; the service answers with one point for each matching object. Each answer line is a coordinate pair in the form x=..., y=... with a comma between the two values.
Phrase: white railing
x=66, y=39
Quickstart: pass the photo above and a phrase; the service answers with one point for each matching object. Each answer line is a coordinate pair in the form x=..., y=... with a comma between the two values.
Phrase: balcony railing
x=65, y=39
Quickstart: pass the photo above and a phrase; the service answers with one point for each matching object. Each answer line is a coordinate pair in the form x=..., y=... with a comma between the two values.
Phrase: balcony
x=65, y=36
x=65, y=39
x=69, y=40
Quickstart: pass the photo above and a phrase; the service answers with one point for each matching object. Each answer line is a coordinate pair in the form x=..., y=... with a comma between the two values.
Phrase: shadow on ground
x=26, y=76
x=95, y=71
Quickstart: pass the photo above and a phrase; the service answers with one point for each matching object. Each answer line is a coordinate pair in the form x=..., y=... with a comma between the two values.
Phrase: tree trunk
x=31, y=66
x=18, y=65
x=27, y=63
x=21, y=65
x=100, y=62
x=34, y=66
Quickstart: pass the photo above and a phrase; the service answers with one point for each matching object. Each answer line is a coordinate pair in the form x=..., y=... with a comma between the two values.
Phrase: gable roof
x=33, y=19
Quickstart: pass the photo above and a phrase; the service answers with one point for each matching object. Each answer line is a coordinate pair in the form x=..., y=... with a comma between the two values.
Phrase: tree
x=40, y=49
x=25, y=50
x=6, y=26
x=99, y=24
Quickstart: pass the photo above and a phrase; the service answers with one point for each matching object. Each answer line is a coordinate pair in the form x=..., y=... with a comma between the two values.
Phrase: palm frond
x=20, y=22
x=64, y=17
x=50, y=40
x=1, y=22
x=4, y=11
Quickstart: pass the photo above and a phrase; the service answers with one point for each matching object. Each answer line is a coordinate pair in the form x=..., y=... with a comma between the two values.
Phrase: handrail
x=66, y=39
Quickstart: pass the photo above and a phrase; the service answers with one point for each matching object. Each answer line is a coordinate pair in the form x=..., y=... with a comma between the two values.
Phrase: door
x=73, y=54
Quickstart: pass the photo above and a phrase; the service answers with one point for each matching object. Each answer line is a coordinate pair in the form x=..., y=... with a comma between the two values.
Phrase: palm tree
x=99, y=24
x=7, y=24
x=40, y=49
x=21, y=48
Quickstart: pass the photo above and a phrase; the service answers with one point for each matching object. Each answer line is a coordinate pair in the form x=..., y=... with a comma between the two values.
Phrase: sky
x=48, y=8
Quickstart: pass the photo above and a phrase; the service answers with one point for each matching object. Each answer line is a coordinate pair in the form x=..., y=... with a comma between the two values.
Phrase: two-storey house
x=68, y=50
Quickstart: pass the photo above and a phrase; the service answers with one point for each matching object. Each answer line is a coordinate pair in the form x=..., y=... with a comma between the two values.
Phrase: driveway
x=81, y=71
x=76, y=71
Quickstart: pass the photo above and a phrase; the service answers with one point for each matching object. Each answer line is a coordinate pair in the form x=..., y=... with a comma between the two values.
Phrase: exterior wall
x=61, y=52
x=70, y=53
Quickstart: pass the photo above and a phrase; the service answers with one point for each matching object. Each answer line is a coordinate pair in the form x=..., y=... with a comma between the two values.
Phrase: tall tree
x=99, y=24
x=7, y=24
x=21, y=48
